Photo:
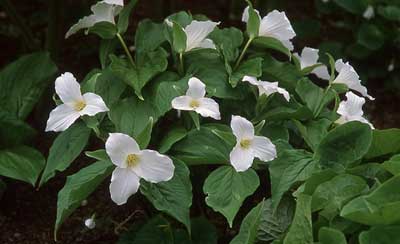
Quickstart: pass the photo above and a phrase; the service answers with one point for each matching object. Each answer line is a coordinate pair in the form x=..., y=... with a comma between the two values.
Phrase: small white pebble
x=90, y=223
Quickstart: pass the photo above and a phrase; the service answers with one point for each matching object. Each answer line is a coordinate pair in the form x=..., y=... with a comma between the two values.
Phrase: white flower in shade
x=309, y=57
x=90, y=223
x=195, y=100
x=249, y=145
x=103, y=11
x=197, y=32
x=369, y=13
x=348, y=76
x=351, y=110
x=390, y=67
x=275, y=24
x=134, y=164
x=74, y=104
x=267, y=88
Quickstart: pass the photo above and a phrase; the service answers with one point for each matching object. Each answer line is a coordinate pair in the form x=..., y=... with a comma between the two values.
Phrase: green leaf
x=23, y=82
x=380, y=207
x=300, y=231
x=65, y=149
x=331, y=195
x=21, y=163
x=370, y=36
x=380, y=235
x=226, y=190
x=313, y=131
x=249, y=227
x=173, y=197
x=251, y=67
x=390, y=12
x=123, y=18
x=107, y=47
x=393, y=165
x=149, y=36
x=253, y=23
x=14, y=131
x=331, y=236
x=173, y=136
x=109, y=87
x=353, y=6
x=104, y=29
x=78, y=187
x=100, y=155
x=228, y=41
x=179, y=38
x=290, y=167
x=271, y=43
x=344, y=145
x=384, y=142
x=143, y=139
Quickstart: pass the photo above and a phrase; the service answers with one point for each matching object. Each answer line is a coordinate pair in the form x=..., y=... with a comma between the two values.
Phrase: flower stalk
x=128, y=53
x=243, y=52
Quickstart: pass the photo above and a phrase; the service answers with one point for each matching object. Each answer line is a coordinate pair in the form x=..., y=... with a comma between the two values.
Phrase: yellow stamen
x=80, y=105
x=194, y=104
x=132, y=160
x=245, y=143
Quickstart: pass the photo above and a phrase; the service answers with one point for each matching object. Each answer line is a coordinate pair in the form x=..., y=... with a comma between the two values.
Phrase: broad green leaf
x=149, y=36
x=250, y=67
x=228, y=41
x=182, y=18
x=344, y=145
x=23, y=81
x=14, y=131
x=123, y=17
x=380, y=235
x=290, y=167
x=317, y=179
x=143, y=138
x=300, y=231
x=393, y=165
x=370, y=36
x=173, y=197
x=65, y=149
x=353, y=6
x=380, y=207
x=78, y=187
x=271, y=43
x=21, y=163
x=390, y=12
x=253, y=23
x=226, y=190
x=384, y=142
x=173, y=136
x=99, y=155
x=249, y=227
x=275, y=131
x=331, y=236
x=107, y=47
x=104, y=29
x=372, y=171
x=178, y=38
x=313, y=131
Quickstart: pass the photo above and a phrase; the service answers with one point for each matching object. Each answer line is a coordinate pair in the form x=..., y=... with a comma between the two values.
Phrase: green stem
x=181, y=66
x=321, y=106
x=121, y=40
x=243, y=52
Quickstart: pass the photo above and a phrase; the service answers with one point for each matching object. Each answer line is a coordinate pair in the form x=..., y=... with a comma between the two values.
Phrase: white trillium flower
x=74, y=104
x=102, y=11
x=197, y=32
x=195, y=100
x=134, y=164
x=351, y=110
x=90, y=223
x=248, y=146
x=275, y=24
x=309, y=57
x=369, y=13
x=267, y=88
x=348, y=76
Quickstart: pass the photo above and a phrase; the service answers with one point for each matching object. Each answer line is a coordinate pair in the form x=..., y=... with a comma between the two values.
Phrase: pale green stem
x=181, y=66
x=121, y=40
x=243, y=52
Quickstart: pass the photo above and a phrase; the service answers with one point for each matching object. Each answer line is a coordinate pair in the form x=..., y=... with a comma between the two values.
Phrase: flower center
x=194, y=104
x=245, y=143
x=80, y=105
x=132, y=160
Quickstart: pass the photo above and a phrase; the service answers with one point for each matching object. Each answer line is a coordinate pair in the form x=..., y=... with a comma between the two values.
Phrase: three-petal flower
x=309, y=57
x=275, y=24
x=351, y=110
x=103, y=11
x=348, y=76
x=74, y=104
x=266, y=87
x=249, y=145
x=134, y=164
x=195, y=100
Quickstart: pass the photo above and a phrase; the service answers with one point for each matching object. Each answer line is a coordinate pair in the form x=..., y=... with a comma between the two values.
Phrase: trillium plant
x=234, y=120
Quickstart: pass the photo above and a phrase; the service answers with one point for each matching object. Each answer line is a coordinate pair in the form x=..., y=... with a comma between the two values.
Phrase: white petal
x=182, y=103
x=309, y=57
x=352, y=106
x=119, y=146
x=94, y=104
x=61, y=118
x=251, y=79
x=263, y=148
x=115, y=2
x=241, y=159
x=90, y=223
x=322, y=72
x=242, y=128
x=68, y=89
x=288, y=44
x=348, y=76
x=208, y=108
x=124, y=183
x=369, y=12
x=154, y=167
x=269, y=88
x=245, y=15
x=207, y=43
x=197, y=31
x=197, y=89
x=84, y=23
x=276, y=25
